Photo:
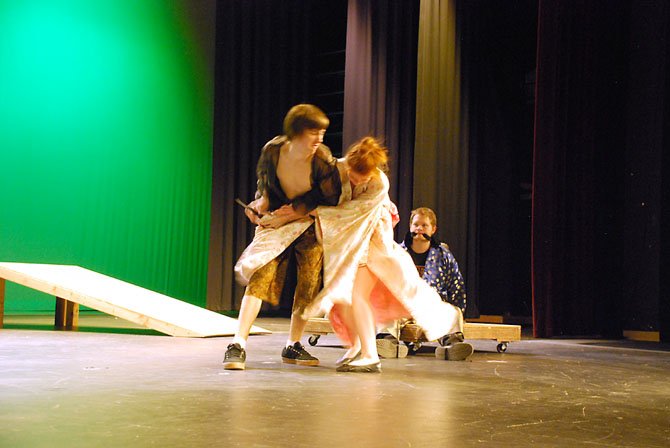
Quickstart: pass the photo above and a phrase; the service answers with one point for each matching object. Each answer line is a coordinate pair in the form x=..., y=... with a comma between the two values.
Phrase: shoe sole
x=389, y=348
x=309, y=362
x=233, y=366
x=343, y=361
x=459, y=351
x=372, y=368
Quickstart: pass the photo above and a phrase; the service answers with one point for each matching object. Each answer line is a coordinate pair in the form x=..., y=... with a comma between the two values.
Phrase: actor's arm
x=261, y=203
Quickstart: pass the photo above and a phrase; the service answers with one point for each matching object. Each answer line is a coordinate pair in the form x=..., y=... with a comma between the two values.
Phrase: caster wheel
x=502, y=347
x=413, y=347
x=313, y=339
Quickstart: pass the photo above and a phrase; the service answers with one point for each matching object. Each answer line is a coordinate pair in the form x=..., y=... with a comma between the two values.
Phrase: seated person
x=434, y=261
x=437, y=266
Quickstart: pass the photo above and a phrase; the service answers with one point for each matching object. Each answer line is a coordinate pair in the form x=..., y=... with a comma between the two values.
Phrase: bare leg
x=249, y=310
x=297, y=327
x=309, y=261
x=353, y=350
x=348, y=317
x=236, y=354
x=363, y=317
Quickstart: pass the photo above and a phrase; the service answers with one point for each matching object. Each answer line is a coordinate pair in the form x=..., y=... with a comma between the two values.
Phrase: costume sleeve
x=344, y=221
x=375, y=194
x=454, y=285
x=262, y=169
x=326, y=187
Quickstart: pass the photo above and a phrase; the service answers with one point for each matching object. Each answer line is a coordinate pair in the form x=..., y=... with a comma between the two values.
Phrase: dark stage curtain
x=578, y=166
x=262, y=69
x=646, y=287
x=380, y=86
x=498, y=47
x=441, y=154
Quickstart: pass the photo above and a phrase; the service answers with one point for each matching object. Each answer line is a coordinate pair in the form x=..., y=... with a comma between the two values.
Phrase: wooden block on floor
x=67, y=315
x=147, y=308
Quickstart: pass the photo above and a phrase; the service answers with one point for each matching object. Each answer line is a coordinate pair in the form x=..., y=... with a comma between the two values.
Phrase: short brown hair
x=424, y=211
x=366, y=155
x=302, y=117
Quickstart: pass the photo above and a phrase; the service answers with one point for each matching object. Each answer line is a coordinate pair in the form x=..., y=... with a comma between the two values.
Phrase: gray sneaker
x=458, y=351
x=390, y=348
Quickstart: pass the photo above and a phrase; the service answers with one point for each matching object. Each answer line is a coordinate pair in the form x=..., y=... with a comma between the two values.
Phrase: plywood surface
x=498, y=332
x=118, y=298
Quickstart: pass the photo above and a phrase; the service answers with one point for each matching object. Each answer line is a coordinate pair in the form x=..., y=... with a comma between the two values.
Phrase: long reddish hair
x=366, y=155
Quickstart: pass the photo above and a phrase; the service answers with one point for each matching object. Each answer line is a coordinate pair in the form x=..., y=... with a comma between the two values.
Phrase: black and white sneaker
x=235, y=357
x=296, y=354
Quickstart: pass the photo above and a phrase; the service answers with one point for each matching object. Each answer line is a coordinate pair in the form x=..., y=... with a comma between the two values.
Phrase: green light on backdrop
x=105, y=143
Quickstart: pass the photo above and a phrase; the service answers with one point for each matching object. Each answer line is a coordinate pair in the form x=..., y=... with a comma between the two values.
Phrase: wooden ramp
x=73, y=285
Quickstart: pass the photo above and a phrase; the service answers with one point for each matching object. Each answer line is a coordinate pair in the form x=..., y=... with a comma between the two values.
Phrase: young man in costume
x=296, y=173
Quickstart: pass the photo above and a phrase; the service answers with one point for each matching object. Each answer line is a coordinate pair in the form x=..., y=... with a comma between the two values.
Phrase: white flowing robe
x=359, y=231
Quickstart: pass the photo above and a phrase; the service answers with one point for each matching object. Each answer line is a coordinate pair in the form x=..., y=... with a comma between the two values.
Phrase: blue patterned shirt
x=442, y=273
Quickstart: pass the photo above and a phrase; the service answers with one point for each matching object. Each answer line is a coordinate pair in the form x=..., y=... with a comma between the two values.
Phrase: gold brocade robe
x=266, y=246
x=269, y=243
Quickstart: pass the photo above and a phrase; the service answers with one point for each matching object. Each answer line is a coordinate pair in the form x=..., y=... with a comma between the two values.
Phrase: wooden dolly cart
x=412, y=335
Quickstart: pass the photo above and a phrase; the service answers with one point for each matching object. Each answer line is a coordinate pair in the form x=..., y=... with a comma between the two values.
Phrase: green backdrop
x=105, y=142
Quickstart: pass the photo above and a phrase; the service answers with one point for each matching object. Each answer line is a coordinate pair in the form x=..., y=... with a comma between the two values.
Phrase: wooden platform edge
x=497, y=332
x=647, y=336
x=318, y=325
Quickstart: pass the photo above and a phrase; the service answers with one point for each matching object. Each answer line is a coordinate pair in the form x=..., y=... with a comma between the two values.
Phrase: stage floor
x=112, y=384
